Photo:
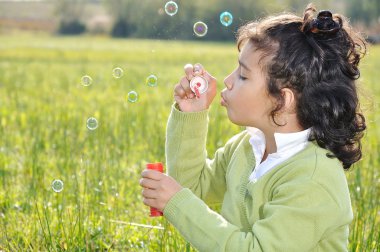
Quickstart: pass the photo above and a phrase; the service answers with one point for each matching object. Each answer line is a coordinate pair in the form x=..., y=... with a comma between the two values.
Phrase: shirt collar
x=285, y=142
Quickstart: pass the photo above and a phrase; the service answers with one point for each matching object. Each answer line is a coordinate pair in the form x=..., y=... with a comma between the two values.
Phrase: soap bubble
x=117, y=72
x=86, y=80
x=171, y=8
x=151, y=80
x=226, y=18
x=200, y=29
x=92, y=123
x=132, y=96
x=57, y=185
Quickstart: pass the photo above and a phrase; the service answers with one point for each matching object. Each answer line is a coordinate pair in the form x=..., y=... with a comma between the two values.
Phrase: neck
x=290, y=127
x=270, y=143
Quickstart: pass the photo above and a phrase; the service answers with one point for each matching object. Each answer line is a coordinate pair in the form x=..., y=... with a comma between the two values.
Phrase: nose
x=228, y=82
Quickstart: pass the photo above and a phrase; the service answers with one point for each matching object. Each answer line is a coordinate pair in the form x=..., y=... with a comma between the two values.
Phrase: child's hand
x=158, y=188
x=185, y=97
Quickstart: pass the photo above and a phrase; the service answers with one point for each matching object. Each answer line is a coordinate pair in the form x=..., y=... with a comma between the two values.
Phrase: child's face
x=246, y=98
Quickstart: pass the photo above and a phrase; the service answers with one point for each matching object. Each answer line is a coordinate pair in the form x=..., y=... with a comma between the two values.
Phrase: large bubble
x=132, y=96
x=92, y=123
x=226, y=18
x=151, y=80
x=86, y=80
x=57, y=185
x=200, y=29
x=117, y=72
x=171, y=8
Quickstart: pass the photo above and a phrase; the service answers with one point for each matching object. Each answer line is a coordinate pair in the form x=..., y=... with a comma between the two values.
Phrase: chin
x=235, y=120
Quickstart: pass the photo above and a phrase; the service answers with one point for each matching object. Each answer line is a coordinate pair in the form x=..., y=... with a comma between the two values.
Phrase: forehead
x=254, y=57
x=249, y=55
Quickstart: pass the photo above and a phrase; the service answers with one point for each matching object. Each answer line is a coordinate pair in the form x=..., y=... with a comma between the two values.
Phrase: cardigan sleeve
x=296, y=219
x=186, y=156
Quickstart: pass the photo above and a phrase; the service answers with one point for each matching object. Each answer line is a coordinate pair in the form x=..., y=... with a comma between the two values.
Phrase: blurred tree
x=367, y=11
x=69, y=13
x=147, y=18
x=124, y=12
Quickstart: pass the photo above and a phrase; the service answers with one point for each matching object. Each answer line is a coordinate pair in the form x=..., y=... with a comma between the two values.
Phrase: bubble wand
x=198, y=85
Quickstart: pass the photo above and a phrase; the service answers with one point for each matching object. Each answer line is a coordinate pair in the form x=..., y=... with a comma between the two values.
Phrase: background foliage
x=147, y=18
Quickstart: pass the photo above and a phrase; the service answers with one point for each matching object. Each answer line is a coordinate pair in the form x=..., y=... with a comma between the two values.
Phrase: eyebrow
x=244, y=66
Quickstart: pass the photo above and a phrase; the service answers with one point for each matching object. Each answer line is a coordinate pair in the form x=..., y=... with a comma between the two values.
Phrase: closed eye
x=242, y=77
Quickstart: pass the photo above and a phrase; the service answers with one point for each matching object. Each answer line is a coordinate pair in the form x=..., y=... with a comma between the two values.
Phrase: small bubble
x=86, y=80
x=132, y=96
x=226, y=18
x=200, y=29
x=92, y=123
x=151, y=80
x=117, y=72
x=171, y=8
x=57, y=185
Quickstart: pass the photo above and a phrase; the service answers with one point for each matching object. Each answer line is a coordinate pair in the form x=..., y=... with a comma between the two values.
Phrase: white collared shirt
x=287, y=144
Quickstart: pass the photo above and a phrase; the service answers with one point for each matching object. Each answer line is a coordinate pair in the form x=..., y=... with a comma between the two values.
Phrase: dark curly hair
x=317, y=58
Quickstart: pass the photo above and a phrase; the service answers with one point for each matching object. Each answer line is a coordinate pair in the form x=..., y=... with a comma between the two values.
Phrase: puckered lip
x=223, y=100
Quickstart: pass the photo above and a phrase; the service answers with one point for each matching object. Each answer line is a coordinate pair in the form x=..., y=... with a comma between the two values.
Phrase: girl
x=281, y=182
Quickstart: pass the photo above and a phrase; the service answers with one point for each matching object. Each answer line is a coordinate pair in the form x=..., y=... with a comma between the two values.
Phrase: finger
x=152, y=174
x=149, y=193
x=179, y=92
x=149, y=183
x=198, y=69
x=188, y=71
x=186, y=86
x=149, y=202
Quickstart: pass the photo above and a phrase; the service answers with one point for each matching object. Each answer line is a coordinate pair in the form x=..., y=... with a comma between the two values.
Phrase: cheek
x=258, y=105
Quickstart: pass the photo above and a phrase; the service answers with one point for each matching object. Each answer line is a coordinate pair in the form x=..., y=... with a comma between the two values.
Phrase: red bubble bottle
x=157, y=167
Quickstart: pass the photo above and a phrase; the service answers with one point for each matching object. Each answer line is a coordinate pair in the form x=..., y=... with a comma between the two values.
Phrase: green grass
x=43, y=136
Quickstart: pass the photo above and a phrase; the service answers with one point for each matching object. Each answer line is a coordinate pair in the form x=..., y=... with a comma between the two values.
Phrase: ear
x=289, y=100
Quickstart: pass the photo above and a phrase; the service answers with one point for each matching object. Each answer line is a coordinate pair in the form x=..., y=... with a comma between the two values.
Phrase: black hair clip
x=324, y=23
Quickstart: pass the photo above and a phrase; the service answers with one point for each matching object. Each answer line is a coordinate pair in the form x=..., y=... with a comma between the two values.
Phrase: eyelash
x=242, y=78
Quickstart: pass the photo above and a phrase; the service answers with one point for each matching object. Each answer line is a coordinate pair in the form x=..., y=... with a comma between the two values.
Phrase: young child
x=281, y=182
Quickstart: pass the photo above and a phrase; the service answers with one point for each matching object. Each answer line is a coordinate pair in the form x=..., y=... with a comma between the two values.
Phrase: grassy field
x=43, y=137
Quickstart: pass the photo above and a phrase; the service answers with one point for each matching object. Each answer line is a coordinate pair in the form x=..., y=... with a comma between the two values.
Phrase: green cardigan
x=303, y=204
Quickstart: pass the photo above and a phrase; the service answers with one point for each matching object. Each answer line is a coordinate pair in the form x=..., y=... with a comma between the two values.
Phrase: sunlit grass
x=43, y=136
